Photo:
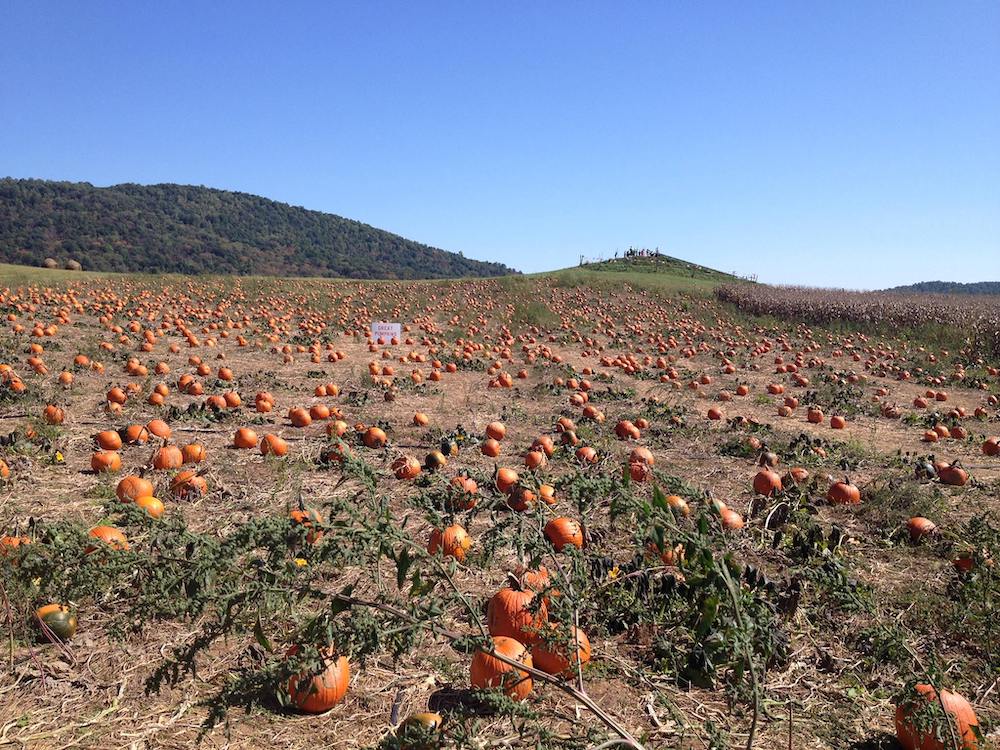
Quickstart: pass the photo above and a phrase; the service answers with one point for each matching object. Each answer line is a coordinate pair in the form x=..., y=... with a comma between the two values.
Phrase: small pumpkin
x=245, y=438
x=560, y=652
x=57, y=620
x=131, y=488
x=110, y=535
x=152, y=505
x=767, y=482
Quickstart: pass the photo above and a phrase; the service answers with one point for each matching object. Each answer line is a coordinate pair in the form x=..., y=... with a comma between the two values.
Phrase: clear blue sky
x=836, y=143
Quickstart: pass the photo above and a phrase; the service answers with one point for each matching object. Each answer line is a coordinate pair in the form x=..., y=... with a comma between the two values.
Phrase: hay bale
x=50, y=263
x=72, y=265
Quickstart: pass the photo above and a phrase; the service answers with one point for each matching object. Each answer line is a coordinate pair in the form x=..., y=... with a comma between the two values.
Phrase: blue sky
x=837, y=144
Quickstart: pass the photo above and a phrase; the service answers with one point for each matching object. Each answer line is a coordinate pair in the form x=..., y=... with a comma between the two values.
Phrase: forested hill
x=950, y=287
x=193, y=230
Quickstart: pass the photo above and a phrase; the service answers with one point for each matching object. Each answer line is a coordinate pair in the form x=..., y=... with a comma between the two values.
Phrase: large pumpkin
x=514, y=614
x=913, y=736
x=315, y=693
x=488, y=671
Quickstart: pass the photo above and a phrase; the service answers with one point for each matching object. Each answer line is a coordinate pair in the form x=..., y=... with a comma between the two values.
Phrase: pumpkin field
x=573, y=510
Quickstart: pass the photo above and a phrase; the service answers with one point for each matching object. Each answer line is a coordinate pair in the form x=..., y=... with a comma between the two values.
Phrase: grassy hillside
x=195, y=230
x=662, y=274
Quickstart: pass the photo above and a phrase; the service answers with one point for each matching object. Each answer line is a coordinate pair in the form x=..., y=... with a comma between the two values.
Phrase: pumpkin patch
x=556, y=501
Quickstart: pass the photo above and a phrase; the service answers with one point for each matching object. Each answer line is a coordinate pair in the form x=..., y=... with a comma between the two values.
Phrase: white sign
x=383, y=333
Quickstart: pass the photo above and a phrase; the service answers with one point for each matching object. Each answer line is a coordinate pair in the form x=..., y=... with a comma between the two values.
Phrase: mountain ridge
x=949, y=287
x=193, y=229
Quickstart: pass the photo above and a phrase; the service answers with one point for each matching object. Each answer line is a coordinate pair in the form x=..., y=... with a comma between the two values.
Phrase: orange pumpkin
x=168, y=457
x=963, y=720
x=514, y=614
x=151, y=505
x=131, y=488
x=316, y=693
x=454, y=541
x=273, y=445
x=564, y=531
x=106, y=461
x=552, y=653
x=110, y=535
x=245, y=438
x=487, y=671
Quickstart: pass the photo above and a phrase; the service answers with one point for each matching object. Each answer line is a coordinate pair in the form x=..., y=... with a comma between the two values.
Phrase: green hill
x=192, y=230
x=950, y=287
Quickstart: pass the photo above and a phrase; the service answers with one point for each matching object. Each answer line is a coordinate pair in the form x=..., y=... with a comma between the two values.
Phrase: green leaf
x=403, y=563
x=258, y=633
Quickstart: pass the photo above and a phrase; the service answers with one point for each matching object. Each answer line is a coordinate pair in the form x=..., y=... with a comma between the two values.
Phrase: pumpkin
x=920, y=528
x=299, y=417
x=420, y=731
x=136, y=433
x=54, y=414
x=552, y=653
x=108, y=440
x=131, y=488
x=731, y=520
x=454, y=541
x=159, y=428
x=562, y=532
x=245, y=438
x=111, y=536
x=962, y=718
x=953, y=474
x=490, y=448
x=435, y=461
x=168, y=457
x=767, y=482
x=513, y=613
x=838, y=422
x=843, y=493
x=496, y=431
x=679, y=505
x=374, y=437
x=308, y=518
x=991, y=447
x=420, y=419
x=315, y=693
x=487, y=671
x=193, y=453
x=506, y=479
x=9, y=542
x=273, y=445
x=795, y=475
x=57, y=620
x=105, y=461
x=188, y=484
x=151, y=505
